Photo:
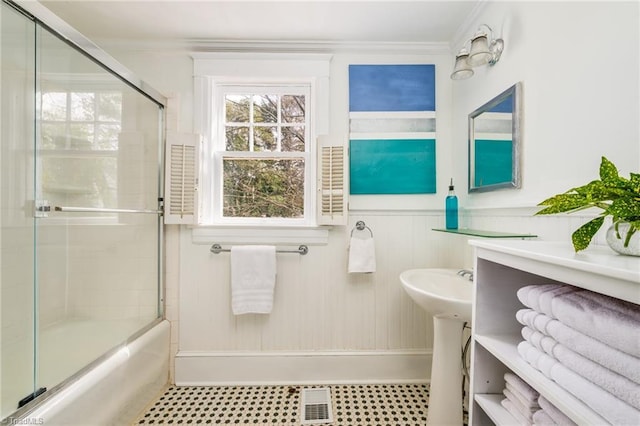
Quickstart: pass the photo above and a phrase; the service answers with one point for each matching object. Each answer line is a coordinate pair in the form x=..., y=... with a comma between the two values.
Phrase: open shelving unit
x=501, y=268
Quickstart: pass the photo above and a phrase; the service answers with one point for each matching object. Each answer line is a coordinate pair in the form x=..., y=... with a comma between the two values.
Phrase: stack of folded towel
x=528, y=407
x=588, y=344
x=521, y=400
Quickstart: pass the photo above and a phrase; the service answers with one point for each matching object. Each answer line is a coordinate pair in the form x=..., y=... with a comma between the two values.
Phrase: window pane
x=293, y=109
x=265, y=109
x=53, y=135
x=293, y=138
x=265, y=139
x=54, y=106
x=81, y=136
x=237, y=138
x=110, y=106
x=107, y=136
x=82, y=106
x=237, y=108
x=263, y=188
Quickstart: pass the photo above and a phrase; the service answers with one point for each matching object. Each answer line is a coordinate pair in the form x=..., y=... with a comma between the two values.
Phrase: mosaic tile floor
x=352, y=405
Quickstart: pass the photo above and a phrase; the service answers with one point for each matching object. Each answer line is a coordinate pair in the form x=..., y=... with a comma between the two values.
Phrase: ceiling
x=275, y=21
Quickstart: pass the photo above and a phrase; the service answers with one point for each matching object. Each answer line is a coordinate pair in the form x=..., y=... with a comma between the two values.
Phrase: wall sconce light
x=484, y=50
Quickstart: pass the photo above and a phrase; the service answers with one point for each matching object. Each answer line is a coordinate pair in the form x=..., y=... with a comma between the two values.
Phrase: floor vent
x=316, y=406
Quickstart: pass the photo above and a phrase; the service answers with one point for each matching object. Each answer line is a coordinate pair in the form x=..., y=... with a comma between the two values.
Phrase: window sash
x=220, y=91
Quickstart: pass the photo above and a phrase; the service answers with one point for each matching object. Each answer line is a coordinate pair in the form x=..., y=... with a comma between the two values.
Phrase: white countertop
x=590, y=268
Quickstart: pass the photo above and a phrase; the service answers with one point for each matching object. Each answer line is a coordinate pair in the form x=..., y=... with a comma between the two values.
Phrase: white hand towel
x=362, y=255
x=253, y=279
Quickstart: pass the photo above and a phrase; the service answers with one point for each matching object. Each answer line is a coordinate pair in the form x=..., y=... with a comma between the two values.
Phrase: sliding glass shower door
x=17, y=224
x=80, y=207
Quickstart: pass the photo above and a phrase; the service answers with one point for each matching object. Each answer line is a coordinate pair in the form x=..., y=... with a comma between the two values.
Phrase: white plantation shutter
x=332, y=188
x=181, y=178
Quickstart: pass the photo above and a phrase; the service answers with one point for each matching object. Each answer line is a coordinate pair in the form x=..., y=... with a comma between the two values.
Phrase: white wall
x=578, y=62
x=579, y=65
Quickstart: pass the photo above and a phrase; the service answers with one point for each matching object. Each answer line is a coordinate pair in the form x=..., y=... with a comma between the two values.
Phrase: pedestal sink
x=446, y=295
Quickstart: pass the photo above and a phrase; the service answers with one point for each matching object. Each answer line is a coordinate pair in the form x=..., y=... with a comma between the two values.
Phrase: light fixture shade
x=479, y=53
x=461, y=69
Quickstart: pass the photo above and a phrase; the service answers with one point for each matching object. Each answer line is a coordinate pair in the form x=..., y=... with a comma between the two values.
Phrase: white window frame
x=211, y=69
x=220, y=154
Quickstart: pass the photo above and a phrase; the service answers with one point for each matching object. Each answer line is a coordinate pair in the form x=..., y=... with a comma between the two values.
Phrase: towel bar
x=302, y=250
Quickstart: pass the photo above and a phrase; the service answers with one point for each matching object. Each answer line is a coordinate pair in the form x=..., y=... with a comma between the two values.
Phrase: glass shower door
x=97, y=165
x=80, y=229
x=17, y=231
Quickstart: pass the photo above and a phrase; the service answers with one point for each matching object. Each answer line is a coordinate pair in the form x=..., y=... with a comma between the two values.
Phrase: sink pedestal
x=445, y=394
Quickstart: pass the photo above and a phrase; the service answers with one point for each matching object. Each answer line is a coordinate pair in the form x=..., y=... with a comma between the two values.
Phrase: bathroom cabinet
x=501, y=268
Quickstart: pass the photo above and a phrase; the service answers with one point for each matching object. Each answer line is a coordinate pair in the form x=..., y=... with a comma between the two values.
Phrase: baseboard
x=277, y=368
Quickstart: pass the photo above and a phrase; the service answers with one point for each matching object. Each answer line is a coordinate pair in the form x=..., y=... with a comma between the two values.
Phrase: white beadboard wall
x=318, y=306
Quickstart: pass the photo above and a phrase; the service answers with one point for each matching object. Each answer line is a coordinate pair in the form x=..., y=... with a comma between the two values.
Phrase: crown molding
x=276, y=46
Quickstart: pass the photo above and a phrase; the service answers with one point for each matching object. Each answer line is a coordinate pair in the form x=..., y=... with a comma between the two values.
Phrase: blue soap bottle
x=451, y=208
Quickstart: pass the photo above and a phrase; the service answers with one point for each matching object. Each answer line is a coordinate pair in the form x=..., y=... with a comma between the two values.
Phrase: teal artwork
x=494, y=161
x=393, y=166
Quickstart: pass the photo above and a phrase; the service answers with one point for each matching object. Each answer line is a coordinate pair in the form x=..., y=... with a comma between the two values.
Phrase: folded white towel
x=538, y=297
x=541, y=418
x=602, y=402
x=526, y=412
x=521, y=388
x=530, y=405
x=511, y=408
x=609, y=326
x=609, y=320
x=253, y=279
x=613, y=383
x=362, y=255
x=557, y=417
x=615, y=360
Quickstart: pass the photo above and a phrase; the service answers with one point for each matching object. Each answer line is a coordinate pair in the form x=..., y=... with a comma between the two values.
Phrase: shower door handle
x=102, y=210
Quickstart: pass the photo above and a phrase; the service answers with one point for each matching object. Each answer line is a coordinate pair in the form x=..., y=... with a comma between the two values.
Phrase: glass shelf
x=484, y=234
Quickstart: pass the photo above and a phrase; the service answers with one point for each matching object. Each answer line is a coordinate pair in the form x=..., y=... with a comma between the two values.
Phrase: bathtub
x=111, y=391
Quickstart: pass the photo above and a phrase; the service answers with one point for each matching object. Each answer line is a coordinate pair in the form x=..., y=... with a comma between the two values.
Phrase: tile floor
x=352, y=405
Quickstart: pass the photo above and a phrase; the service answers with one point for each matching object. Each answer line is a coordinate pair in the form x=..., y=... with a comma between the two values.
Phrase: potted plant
x=615, y=196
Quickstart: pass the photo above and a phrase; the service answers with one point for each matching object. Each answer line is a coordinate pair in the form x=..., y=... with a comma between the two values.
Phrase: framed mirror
x=494, y=142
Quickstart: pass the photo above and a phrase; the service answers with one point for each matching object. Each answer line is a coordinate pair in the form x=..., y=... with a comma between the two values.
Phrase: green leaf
x=625, y=209
x=583, y=235
x=608, y=173
x=634, y=183
x=562, y=203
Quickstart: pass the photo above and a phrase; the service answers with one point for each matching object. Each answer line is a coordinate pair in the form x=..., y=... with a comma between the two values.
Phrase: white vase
x=617, y=244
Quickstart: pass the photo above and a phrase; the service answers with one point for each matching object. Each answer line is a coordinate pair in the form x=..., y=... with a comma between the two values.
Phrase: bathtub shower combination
x=81, y=229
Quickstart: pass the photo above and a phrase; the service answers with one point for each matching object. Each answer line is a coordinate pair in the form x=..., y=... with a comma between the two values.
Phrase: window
x=262, y=161
x=261, y=137
x=79, y=146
